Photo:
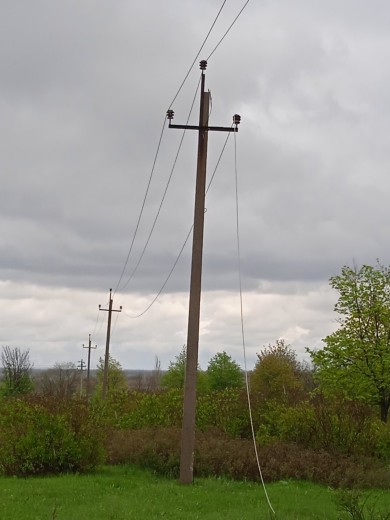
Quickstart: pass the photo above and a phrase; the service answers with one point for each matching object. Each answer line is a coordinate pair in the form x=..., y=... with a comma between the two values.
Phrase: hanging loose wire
x=197, y=55
x=164, y=194
x=185, y=241
x=228, y=30
x=243, y=332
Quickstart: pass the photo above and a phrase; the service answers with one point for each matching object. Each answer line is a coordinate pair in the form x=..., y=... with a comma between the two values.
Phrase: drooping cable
x=185, y=241
x=164, y=194
x=197, y=55
x=243, y=331
x=114, y=327
x=228, y=30
x=142, y=207
x=166, y=280
x=97, y=332
x=96, y=323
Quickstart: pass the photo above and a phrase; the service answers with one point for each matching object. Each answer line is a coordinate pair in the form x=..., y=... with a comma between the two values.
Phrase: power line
x=164, y=195
x=228, y=30
x=159, y=144
x=196, y=57
x=142, y=207
x=184, y=244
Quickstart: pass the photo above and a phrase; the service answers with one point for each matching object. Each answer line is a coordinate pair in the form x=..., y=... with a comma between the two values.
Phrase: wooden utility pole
x=189, y=403
x=110, y=310
x=89, y=347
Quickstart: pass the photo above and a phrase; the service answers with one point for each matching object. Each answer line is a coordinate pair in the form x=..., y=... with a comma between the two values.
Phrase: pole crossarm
x=205, y=128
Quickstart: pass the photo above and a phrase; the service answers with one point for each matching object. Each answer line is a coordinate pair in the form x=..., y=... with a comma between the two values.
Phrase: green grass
x=126, y=492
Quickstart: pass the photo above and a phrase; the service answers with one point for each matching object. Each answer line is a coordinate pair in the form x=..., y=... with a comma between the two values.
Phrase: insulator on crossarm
x=236, y=119
x=170, y=114
x=203, y=65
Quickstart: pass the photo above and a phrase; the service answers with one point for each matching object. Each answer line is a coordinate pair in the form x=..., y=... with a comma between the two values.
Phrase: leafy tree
x=117, y=383
x=276, y=375
x=16, y=371
x=222, y=372
x=175, y=375
x=356, y=358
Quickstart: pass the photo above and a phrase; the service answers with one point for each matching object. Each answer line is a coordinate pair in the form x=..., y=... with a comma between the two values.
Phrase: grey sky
x=84, y=88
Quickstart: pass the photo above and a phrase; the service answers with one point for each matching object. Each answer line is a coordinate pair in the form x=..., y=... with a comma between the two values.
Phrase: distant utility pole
x=110, y=310
x=89, y=347
x=189, y=404
x=81, y=367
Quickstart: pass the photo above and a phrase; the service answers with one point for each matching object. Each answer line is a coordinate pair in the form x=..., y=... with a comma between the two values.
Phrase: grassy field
x=125, y=492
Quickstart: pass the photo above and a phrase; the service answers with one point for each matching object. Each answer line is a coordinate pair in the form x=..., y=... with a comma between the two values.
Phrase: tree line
x=337, y=403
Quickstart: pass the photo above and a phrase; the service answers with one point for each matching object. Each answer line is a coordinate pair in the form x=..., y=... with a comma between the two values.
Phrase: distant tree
x=276, y=374
x=117, y=383
x=222, y=372
x=153, y=380
x=174, y=377
x=61, y=381
x=356, y=358
x=16, y=371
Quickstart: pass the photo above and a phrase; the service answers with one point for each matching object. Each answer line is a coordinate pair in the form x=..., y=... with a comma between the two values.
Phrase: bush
x=38, y=438
x=218, y=455
x=336, y=426
x=226, y=410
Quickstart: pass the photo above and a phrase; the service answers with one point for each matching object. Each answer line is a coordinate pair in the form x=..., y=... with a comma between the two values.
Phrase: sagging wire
x=184, y=244
x=243, y=333
x=142, y=208
x=164, y=194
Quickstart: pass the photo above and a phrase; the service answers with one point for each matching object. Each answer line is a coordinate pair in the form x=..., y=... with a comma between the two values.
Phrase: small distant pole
x=89, y=347
x=110, y=310
x=81, y=367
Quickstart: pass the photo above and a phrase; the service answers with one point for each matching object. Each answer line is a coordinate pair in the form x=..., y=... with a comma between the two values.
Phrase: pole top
x=203, y=65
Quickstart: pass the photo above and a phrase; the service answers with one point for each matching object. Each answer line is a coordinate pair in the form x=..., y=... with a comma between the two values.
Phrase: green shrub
x=337, y=426
x=226, y=410
x=218, y=455
x=50, y=438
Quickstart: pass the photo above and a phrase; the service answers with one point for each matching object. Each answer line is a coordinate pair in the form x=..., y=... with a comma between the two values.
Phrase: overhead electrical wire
x=243, y=332
x=228, y=30
x=197, y=55
x=96, y=324
x=163, y=128
x=164, y=194
x=159, y=144
x=142, y=207
x=154, y=164
x=184, y=244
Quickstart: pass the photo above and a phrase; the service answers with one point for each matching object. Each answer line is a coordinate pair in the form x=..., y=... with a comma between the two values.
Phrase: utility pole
x=110, y=310
x=189, y=403
x=81, y=367
x=89, y=347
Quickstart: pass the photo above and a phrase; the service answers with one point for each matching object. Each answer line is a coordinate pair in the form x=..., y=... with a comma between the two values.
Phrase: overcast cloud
x=84, y=88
